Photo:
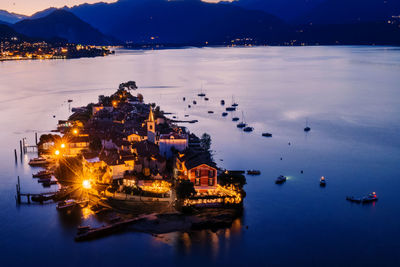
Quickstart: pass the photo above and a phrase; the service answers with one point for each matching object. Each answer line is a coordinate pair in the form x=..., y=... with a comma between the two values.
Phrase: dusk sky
x=28, y=7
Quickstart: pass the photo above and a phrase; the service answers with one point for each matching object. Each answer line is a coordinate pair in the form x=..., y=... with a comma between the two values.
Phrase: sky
x=29, y=7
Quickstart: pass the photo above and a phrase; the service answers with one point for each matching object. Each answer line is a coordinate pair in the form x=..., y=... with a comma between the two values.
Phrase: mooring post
x=36, y=139
x=20, y=146
x=15, y=154
x=18, y=192
x=29, y=198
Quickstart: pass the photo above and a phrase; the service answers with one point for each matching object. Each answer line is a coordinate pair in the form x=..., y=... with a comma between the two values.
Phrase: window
x=211, y=174
x=210, y=181
x=197, y=173
x=197, y=181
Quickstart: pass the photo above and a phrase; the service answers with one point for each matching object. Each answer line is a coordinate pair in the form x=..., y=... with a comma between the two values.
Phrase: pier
x=41, y=197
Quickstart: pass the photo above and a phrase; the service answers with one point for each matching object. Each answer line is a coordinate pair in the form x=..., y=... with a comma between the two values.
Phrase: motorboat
x=248, y=129
x=224, y=114
x=307, y=128
x=267, y=134
x=210, y=112
x=230, y=109
x=222, y=102
x=206, y=99
x=194, y=102
x=71, y=203
x=372, y=197
x=38, y=161
x=235, y=119
x=42, y=174
x=184, y=99
x=322, y=181
x=201, y=94
x=281, y=179
x=241, y=125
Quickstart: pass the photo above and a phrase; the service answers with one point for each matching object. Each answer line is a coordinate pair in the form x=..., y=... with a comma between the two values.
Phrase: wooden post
x=29, y=198
x=20, y=146
x=15, y=154
x=18, y=192
x=36, y=142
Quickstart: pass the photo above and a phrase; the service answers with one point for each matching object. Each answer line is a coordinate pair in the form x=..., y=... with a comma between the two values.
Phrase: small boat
x=184, y=99
x=230, y=109
x=224, y=114
x=322, y=181
x=235, y=119
x=67, y=204
x=210, y=112
x=41, y=198
x=253, y=172
x=372, y=197
x=186, y=116
x=243, y=123
x=267, y=134
x=234, y=104
x=206, y=99
x=69, y=100
x=201, y=94
x=307, y=128
x=194, y=102
x=43, y=180
x=189, y=106
x=222, y=102
x=83, y=229
x=248, y=129
x=42, y=174
x=281, y=179
x=174, y=117
x=38, y=162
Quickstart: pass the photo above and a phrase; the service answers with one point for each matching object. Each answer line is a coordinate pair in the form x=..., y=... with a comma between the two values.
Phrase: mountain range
x=193, y=22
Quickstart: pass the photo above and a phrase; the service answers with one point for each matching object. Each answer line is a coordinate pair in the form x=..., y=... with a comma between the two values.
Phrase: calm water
x=350, y=95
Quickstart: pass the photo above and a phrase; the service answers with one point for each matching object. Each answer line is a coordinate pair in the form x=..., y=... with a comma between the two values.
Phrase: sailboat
x=307, y=129
x=242, y=124
x=201, y=94
x=234, y=104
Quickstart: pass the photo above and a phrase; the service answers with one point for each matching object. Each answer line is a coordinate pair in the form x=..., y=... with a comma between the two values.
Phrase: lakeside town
x=14, y=50
x=127, y=161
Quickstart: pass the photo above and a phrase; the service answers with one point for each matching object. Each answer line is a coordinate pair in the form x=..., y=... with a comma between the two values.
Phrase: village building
x=198, y=167
x=76, y=144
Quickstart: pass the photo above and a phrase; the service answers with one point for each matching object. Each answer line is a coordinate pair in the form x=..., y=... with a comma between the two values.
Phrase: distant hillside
x=365, y=33
x=6, y=33
x=288, y=10
x=351, y=11
x=10, y=17
x=185, y=21
x=65, y=25
x=4, y=23
x=43, y=13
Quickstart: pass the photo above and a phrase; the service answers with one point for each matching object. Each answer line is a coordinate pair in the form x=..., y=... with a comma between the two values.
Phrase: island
x=128, y=162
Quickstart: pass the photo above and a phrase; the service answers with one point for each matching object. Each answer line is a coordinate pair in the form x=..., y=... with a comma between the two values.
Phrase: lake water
x=349, y=95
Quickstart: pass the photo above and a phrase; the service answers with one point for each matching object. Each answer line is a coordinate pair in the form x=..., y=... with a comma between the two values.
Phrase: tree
x=95, y=144
x=131, y=85
x=185, y=189
x=205, y=141
x=232, y=178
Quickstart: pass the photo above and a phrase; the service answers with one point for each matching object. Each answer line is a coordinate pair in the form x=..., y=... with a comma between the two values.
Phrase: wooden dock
x=44, y=196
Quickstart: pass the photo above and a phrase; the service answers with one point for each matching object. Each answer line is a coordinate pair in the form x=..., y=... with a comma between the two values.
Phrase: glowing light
x=159, y=187
x=86, y=184
x=57, y=152
x=114, y=103
x=62, y=145
x=75, y=131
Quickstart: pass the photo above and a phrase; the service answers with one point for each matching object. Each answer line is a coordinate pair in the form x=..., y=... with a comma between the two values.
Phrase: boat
x=248, y=129
x=201, y=94
x=186, y=115
x=42, y=180
x=189, y=106
x=234, y=104
x=322, y=181
x=243, y=123
x=267, y=134
x=210, y=112
x=71, y=203
x=38, y=162
x=372, y=197
x=230, y=109
x=184, y=99
x=69, y=100
x=224, y=114
x=281, y=179
x=307, y=128
x=42, y=174
x=222, y=102
x=41, y=198
x=194, y=102
x=67, y=204
x=206, y=99
x=253, y=172
x=49, y=182
x=235, y=119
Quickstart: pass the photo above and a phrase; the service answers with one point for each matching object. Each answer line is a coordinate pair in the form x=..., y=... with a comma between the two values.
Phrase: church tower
x=151, y=127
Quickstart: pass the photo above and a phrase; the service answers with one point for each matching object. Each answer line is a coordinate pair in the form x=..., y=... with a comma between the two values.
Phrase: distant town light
x=57, y=152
